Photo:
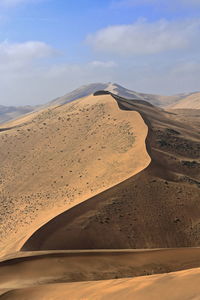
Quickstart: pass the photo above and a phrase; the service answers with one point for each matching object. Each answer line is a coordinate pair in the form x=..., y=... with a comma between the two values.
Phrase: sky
x=50, y=47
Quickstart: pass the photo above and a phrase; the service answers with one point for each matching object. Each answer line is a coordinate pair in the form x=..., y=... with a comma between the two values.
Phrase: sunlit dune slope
x=59, y=157
x=159, y=207
x=182, y=285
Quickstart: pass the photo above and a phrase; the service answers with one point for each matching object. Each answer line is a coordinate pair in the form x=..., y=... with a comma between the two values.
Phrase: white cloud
x=34, y=83
x=144, y=37
x=16, y=55
x=25, y=81
x=28, y=76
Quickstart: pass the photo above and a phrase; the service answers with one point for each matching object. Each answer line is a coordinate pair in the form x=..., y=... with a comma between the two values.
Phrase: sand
x=100, y=173
x=32, y=269
x=182, y=285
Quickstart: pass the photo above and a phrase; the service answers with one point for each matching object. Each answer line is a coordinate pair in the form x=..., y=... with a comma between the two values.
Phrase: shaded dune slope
x=158, y=207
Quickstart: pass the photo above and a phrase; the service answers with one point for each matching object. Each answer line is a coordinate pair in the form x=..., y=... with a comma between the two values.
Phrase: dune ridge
x=135, y=212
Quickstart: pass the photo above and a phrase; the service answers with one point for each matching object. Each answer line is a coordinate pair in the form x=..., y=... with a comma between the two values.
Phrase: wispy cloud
x=143, y=37
x=28, y=77
x=103, y=64
x=17, y=55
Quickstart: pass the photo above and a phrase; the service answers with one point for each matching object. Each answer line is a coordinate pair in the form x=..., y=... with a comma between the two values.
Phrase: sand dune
x=80, y=176
x=182, y=285
x=159, y=207
x=30, y=269
x=119, y=90
x=190, y=102
x=11, y=113
x=8, y=113
x=59, y=157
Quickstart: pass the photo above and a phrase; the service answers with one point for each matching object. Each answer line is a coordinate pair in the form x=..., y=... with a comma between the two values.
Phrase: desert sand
x=31, y=269
x=182, y=285
x=102, y=172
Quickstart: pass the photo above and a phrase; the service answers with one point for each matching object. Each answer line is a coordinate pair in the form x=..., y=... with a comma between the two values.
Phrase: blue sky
x=50, y=47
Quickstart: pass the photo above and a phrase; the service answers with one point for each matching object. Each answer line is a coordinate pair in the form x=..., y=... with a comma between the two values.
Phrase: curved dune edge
x=178, y=285
x=115, y=166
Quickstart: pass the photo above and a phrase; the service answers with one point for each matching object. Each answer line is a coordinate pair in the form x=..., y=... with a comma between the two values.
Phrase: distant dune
x=8, y=113
x=86, y=90
x=12, y=113
x=190, y=102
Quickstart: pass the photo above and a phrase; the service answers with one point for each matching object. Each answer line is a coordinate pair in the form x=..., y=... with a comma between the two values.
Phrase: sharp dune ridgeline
x=104, y=187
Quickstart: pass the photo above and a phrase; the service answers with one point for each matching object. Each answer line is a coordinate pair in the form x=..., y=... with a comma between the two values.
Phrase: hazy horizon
x=49, y=48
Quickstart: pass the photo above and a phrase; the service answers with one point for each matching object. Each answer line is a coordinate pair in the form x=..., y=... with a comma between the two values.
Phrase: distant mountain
x=81, y=92
x=86, y=90
x=192, y=101
x=8, y=113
